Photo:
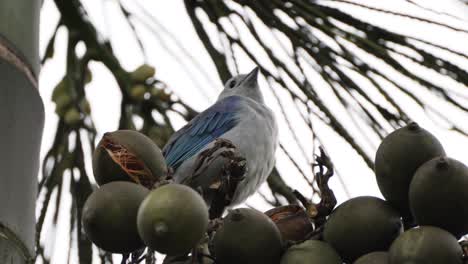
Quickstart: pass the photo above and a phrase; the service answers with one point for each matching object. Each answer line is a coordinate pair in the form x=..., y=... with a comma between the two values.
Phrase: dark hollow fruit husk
x=292, y=221
x=109, y=216
x=172, y=219
x=362, y=225
x=311, y=252
x=247, y=236
x=425, y=244
x=439, y=193
x=398, y=157
x=127, y=155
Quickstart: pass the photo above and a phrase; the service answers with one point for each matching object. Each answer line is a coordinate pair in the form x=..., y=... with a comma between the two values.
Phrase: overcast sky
x=104, y=95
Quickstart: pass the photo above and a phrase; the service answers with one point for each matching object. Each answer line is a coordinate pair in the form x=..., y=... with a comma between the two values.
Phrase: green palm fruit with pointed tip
x=311, y=252
x=137, y=92
x=60, y=90
x=439, y=193
x=155, y=91
x=88, y=76
x=62, y=104
x=85, y=106
x=247, y=236
x=361, y=225
x=109, y=216
x=377, y=257
x=172, y=219
x=398, y=157
x=142, y=73
x=72, y=117
x=128, y=155
x=425, y=244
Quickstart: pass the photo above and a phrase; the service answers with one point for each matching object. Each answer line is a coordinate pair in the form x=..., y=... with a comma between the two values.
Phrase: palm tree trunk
x=21, y=124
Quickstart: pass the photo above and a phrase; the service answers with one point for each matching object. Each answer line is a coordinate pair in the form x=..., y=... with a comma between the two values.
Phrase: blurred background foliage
x=324, y=68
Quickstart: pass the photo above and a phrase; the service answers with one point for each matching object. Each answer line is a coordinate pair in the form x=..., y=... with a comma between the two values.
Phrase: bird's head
x=243, y=85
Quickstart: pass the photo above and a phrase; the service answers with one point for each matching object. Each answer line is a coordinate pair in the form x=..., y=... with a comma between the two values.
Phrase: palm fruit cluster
x=429, y=190
x=140, y=89
x=424, y=213
x=420, y=221
x=130, y=210
x=63, y=97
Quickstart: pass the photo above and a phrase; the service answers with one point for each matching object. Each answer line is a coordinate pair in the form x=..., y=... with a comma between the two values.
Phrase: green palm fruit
x=311, y=252
x=109, y=216
x=62, y=104
x=85, y=106
x=361, y=225
x=127, y=155
x=425, y=244
x=377, y=257
x=247, y=236
x=60, y=90
x=398, y=157
x=172, y=219
x=439, y=193
x=72, y=117
x=137, y=92
x=88, y=76
x=155, y=92
x=142, y=73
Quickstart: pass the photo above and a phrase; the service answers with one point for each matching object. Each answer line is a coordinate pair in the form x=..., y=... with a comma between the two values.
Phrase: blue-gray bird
x=240, y=116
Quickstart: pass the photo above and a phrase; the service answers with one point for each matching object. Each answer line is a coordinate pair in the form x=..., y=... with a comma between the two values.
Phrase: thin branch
x=128, y=18
x=383, y=11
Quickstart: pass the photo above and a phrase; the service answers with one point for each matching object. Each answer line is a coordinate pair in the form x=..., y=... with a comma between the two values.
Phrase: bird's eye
x=232, y=84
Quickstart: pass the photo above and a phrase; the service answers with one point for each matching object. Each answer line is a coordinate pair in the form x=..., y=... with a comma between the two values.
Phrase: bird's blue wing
x=200, y=131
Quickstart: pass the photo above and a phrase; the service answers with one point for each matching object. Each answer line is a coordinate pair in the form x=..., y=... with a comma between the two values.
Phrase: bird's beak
x=251, y=78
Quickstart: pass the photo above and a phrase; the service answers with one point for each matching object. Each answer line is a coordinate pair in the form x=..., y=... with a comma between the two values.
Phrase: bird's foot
x=233, y=173
x=221, y=190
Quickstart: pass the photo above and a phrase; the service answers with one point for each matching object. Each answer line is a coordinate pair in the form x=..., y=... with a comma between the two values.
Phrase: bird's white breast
x=255, y=136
